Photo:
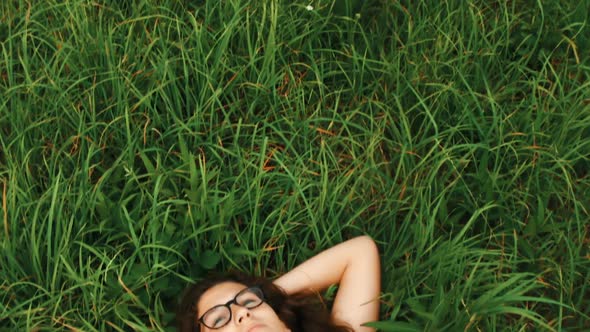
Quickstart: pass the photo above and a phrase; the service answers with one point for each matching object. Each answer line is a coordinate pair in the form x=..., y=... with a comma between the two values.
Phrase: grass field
x=144, y=143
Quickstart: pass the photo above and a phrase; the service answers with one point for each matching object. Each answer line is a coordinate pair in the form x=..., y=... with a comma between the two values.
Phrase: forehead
x=218, y=294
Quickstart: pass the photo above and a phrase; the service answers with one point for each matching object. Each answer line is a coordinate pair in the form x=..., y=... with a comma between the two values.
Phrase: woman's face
x=260, y=319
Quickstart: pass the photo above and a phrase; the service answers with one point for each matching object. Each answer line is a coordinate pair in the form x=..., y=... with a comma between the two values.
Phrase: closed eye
x=219, y=322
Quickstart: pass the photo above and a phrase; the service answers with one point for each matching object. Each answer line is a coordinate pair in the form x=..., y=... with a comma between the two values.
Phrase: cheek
x=268, y=313
x=268, y=309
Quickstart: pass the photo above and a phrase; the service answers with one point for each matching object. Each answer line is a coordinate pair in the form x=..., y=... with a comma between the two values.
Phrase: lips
x=254, y=327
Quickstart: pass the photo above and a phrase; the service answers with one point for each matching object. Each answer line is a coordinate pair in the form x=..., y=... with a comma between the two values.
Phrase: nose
x=241, y=314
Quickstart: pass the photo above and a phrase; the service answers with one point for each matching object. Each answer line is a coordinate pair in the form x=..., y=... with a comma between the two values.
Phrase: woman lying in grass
x=290, y=303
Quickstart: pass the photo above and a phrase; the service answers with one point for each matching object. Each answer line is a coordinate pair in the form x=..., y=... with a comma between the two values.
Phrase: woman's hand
x=355, y=266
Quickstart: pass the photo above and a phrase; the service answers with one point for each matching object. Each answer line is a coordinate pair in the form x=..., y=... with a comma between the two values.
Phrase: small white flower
x=309, y=7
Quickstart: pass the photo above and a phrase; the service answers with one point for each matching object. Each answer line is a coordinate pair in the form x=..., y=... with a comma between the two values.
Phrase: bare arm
x=354, y=265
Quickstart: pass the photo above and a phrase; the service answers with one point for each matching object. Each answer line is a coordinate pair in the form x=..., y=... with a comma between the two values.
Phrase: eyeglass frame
x=258, y=291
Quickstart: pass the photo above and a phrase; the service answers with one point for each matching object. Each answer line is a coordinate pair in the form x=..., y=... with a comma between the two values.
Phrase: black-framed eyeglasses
x=218, y=316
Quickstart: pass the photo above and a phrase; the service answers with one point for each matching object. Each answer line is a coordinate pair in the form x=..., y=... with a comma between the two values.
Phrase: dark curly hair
x=299, y=312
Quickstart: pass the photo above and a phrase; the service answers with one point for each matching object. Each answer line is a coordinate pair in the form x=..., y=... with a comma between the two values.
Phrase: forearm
x=320, y=271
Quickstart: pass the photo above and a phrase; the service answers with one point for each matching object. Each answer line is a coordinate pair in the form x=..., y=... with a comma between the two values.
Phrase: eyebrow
x=221, y=304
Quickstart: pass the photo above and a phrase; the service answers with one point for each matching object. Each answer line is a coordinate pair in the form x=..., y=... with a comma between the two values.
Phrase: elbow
x=368, y=245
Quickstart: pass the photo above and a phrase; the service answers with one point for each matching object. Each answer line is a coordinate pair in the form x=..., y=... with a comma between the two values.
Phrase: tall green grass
x=144, y=143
